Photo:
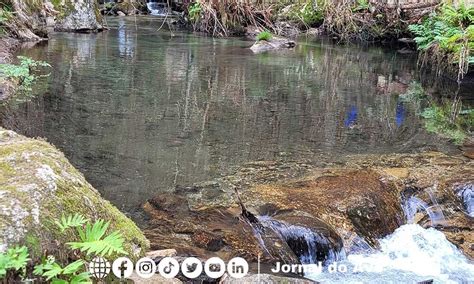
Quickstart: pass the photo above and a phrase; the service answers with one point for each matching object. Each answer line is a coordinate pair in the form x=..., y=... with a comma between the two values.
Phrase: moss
x=6, y=172
x=33, y=243
x=64, y=7
x=39, y=178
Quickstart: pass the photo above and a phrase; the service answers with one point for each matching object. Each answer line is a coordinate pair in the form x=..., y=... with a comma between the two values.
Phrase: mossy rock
x=77, y=16
x=37, y=186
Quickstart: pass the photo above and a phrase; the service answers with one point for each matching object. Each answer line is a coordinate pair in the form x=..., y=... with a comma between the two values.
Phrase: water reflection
x=125, y=40
x=139, y=111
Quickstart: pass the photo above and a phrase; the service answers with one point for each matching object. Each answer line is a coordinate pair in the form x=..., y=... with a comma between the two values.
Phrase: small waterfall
x=413, y=205
x=466, y=193
x=157, y=8
x=410, y=255
x=309, y=246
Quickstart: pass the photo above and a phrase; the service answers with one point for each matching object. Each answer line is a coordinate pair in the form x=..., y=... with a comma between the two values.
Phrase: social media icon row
x=169, y=267
x=122, y=267
x=192, y=267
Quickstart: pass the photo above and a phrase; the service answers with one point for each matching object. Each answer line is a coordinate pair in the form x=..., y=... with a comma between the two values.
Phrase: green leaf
x=59, y=281
x=92, y=242
x=71, y=221
x=52, y=271
x=74, y=267
x=81, y=278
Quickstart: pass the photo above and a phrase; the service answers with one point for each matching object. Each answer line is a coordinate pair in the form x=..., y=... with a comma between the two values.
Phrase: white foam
x=410, y=254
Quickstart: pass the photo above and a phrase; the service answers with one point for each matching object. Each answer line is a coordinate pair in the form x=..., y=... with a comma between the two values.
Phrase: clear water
x=140, y=111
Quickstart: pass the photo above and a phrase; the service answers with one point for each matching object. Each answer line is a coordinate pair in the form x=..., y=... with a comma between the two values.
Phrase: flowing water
x=411, y=254
x=413, y=205
x=310, y=246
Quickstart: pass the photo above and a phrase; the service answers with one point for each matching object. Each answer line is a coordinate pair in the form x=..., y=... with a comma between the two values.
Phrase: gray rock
x=266, y=279
x=161, y=253
x=79, y=16
x=272, y=44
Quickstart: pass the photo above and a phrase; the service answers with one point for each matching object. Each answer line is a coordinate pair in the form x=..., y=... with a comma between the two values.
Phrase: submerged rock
x=78, y=16
x=274, y=43
x=37, y=187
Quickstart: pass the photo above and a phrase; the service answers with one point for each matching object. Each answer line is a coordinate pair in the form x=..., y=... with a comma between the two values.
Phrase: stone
x=38, y=185
x=161, y=253
x=266, y=279
x=274, y=43
x=121, y=14
x=78, y=16
x=157, y=278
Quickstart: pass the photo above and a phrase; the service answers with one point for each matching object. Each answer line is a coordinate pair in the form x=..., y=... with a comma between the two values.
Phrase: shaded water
x=139, y=111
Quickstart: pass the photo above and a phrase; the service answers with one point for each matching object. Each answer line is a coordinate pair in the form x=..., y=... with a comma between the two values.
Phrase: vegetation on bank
x=447, y=117
x=89, y=241
x=24, y=73
x=264, y=35
x=446, y=38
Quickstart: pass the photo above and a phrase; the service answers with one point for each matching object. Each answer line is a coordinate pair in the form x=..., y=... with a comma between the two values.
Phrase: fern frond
x=71, y=221
x=93, y=243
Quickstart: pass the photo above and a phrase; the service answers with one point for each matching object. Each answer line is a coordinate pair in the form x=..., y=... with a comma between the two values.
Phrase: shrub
x=5, y=15
x=449, y=35
x=93, y=241
x=194, y=11
x=23, y=72
x=15, y=259
x=310, y=13
x=264, y=35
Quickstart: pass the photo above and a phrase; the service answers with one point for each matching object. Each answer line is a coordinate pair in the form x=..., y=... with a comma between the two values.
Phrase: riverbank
x=440, y=30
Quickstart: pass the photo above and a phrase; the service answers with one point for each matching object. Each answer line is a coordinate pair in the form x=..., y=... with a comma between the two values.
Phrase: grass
x=264, y=35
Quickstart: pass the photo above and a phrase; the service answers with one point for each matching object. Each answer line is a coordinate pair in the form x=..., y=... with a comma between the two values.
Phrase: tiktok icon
x=168, y=267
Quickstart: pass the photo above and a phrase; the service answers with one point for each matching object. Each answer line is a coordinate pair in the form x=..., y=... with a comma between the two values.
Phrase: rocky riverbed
x=354, y=204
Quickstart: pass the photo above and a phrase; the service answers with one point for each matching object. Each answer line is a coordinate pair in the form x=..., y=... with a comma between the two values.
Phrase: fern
x=93, y=243
x=15, y=259
x=53, y=272
x=71, y=221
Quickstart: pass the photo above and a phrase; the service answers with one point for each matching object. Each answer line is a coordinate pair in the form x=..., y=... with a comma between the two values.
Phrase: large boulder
x=38, y=186
x=78, y=16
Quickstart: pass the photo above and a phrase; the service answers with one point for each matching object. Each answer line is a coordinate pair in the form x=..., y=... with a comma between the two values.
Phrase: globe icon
x=99, y=267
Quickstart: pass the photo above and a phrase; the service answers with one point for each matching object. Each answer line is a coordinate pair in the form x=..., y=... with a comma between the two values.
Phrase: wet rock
x=37, y=186
x=78, y=16
x=274, y=43
x=355, y=203
x=161, y=253
x=157, y=278
x=266, y=279
x=468, y=148
x=208, y=241
x=338, y=199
